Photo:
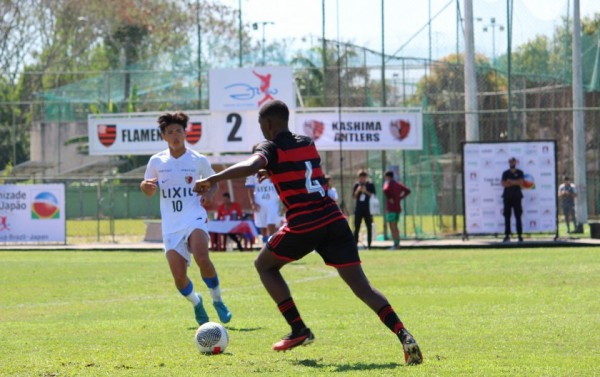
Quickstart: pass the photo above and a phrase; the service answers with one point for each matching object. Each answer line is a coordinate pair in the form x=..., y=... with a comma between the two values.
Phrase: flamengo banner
x=483, y=165
x=249, y=88
x=112, y=134
x=362, y=130
x=32, y=213
x=237, y=131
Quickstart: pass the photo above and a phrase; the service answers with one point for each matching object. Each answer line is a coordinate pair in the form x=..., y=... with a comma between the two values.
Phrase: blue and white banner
x=32, y=213
x=483, y=165
x=249, y=88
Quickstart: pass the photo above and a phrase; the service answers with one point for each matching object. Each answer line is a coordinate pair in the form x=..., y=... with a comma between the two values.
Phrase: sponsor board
x=483, y=165
x=32, y=213
x=236, y=89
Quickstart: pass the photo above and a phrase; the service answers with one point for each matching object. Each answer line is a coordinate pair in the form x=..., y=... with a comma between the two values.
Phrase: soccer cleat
x=412, y=353
x=291, y=340
x=520, y=239
x=222, y=311
x=201, y=316
x=506, y=239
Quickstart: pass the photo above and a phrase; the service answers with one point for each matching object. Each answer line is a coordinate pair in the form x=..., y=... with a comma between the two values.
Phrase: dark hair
x=566, y=178
x=362, y=173
x=389, y=173
x=226, y=194
x=172, y=118
x=327, y=177
x=275, y=109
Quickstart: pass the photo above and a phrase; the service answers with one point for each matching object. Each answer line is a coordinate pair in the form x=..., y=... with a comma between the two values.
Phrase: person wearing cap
x=567, y=192
x=512, y=179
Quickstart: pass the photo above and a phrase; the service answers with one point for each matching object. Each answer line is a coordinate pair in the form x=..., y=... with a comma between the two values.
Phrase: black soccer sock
x=388, y=316
x=291, y=314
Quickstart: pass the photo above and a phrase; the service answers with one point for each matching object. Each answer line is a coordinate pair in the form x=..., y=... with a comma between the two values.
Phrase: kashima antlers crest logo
x=193, y=132
x=400, y=129
x=314, y=129
x=107, y=133
x=188, y=179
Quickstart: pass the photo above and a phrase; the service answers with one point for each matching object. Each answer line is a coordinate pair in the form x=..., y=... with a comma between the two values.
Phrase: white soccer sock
x=215, y=293
x=194, y=298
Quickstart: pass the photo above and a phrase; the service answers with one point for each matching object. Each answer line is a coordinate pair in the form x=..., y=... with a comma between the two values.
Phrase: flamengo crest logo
x=400, y=129
x=193, y=132
x=314, y=129
x=107, y=133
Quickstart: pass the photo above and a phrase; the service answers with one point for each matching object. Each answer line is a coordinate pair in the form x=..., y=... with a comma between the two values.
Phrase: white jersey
x=179, y=205
x=264, y=192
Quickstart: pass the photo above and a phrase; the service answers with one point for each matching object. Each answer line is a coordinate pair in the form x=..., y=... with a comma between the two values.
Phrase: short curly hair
x=172, y=118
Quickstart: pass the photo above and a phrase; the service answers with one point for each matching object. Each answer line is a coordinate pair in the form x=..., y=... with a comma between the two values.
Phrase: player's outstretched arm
x=240, y=170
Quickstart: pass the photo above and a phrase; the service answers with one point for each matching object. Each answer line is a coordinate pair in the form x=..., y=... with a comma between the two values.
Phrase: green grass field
x=509, y=312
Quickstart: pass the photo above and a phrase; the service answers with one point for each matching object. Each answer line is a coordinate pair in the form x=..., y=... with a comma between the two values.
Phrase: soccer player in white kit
x=265, y=204
x=184, y=220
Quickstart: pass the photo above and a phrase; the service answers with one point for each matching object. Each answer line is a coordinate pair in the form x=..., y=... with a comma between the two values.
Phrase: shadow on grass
x=236, y=329
x=312, y=363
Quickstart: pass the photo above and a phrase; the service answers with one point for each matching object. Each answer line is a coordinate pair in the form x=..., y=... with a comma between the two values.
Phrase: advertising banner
x=249, y=88
x=362, y=130
x=131, y=134
x=238, y=130
x=32, y=213
x=483, y=165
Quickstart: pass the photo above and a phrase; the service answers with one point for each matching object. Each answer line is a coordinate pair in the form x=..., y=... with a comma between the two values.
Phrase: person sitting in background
x=229, y=210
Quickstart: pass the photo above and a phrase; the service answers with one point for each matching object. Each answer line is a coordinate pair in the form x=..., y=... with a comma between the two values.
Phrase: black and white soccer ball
x=211, y=338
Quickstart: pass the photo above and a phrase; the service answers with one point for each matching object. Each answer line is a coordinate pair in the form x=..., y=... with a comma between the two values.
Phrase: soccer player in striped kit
x=314, y=222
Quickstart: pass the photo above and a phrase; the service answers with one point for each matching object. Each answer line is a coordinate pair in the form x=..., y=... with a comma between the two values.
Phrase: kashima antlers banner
x=362, y=130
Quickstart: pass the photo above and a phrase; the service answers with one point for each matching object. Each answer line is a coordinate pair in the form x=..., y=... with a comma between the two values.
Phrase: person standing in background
x=362, y=191
x=331, y=191
x=229, y=210
x=567, y=192
x=512, y=179
x=394, y=192
x=265, y=204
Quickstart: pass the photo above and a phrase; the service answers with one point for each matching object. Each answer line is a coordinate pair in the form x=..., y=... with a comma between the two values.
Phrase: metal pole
x=240, y=30
x=509, y=4
x=263, y=43
x=324, y=53
x=471, y=116
x=579, y=147
x=199, y=30
x=383, y=98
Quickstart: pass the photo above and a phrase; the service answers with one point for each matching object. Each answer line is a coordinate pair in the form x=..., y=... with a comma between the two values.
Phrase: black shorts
x=334, y=242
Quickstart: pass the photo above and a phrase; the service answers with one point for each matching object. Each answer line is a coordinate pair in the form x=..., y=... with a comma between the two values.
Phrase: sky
x=359, y=22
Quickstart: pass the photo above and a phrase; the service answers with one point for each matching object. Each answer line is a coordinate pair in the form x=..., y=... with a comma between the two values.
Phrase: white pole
x=471, y=116
x=578, y=122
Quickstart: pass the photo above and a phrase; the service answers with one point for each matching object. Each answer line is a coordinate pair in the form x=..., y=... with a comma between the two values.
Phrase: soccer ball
x=211, y=338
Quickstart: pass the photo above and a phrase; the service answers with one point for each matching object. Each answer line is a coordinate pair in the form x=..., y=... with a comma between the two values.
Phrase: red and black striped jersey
x=294, y=165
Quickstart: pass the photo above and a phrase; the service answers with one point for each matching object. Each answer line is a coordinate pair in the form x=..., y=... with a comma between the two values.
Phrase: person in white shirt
x=173, y=173
x=331, y=191
x=265, y=204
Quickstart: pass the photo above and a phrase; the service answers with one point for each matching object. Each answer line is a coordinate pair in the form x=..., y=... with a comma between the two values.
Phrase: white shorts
x=178, y=241
x=268, y=214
